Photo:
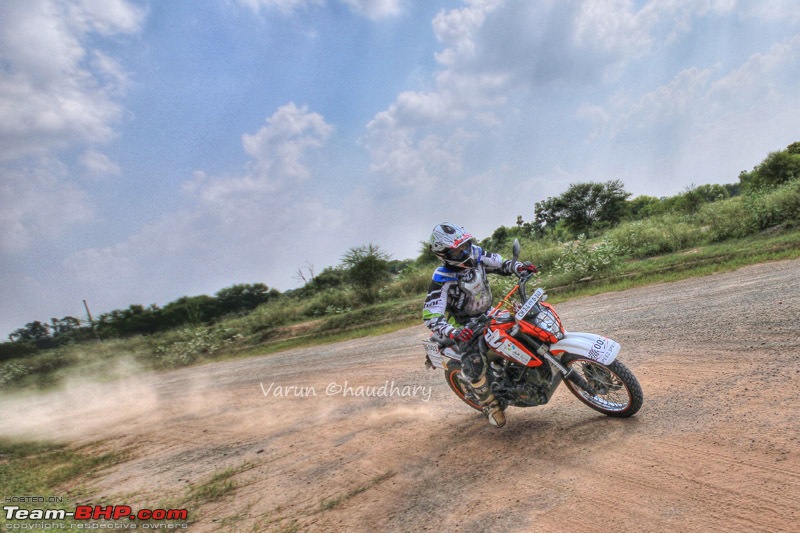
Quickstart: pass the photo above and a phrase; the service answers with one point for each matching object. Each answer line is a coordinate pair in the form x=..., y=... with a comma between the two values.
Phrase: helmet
x=452, y=244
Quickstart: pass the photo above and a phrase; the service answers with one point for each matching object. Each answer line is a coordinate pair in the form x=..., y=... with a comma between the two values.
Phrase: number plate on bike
x=532, y=301
x=434, y=354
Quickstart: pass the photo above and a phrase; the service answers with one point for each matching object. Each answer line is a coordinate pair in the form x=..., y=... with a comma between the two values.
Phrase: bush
x=192, y=344
x=330, y=301
x=541, y=252
x=411, y=282
x=656, y=235
x=728, y=219
x=745, y=215
x=579, y=259
x=13, y=350
x=778, y=206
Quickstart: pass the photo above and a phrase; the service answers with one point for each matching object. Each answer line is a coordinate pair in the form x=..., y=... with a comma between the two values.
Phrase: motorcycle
x=529, y=354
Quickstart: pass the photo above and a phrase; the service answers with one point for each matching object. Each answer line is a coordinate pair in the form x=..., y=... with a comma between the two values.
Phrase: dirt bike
x=529, y=354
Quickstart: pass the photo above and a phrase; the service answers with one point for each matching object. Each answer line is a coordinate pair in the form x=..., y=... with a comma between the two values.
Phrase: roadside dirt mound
x=359, y=436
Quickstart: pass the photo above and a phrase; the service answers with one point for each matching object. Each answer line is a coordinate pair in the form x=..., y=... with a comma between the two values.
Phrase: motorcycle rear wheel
x=618, y=393
x=452, y=373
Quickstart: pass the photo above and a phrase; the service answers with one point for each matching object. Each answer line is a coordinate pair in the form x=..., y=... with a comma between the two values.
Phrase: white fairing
x=436, y=354
x=595, y=347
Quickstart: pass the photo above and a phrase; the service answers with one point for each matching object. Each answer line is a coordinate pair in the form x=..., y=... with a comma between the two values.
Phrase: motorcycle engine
x=521, y=386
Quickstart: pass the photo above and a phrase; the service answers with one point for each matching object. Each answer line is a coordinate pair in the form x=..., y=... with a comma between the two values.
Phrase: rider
x=460, y=291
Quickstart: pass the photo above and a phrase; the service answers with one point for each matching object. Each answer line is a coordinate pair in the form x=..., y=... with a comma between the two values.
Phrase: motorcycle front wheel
x=452, y=374
x=618, y=392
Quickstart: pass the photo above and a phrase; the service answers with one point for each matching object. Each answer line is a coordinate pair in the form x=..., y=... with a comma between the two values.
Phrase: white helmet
x=452, y=244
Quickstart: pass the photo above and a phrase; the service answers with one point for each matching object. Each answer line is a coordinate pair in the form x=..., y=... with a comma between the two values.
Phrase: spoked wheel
x=618, y=392
x=452, y=373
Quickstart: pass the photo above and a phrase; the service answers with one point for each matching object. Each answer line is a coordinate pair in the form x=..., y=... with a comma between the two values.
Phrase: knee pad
x=472, y=367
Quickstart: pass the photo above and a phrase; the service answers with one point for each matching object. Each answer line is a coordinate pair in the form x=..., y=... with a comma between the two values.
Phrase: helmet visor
x=460, y=253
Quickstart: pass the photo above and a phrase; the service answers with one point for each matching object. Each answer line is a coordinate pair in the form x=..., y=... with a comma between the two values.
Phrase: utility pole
x=91, y=320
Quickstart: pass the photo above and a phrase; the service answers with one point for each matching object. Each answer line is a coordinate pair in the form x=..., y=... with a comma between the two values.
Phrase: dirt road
x=358, y=436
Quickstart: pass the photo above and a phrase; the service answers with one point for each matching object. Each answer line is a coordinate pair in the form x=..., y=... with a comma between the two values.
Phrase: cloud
x=98, y=164
x=375, y=9
x=492, y=52
x=39, y=206
x=57, y=93
x=505, y=67
x=704, y=125
x=252, y=226
x=372, y=9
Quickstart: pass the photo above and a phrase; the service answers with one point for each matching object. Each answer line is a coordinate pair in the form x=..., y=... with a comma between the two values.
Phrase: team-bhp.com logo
x=95, y=512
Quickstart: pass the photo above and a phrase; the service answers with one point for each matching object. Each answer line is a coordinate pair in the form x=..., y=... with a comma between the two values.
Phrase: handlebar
x=523, y=280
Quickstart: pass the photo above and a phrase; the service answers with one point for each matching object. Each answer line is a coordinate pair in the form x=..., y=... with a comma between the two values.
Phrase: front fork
x=568, y=373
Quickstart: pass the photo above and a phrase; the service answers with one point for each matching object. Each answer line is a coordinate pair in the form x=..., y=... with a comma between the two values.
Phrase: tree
x=188, y=310
x=642, y=207
x=33, y=331
x=693, y=197
x=366, y=267
x=583, y=207
x=777, y=168
x=243, y=297
x=135, y=320
x=64, y=325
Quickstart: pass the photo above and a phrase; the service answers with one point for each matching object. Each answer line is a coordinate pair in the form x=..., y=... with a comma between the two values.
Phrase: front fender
x=594, y=347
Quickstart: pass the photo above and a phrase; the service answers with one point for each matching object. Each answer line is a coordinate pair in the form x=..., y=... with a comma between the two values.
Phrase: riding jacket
x=456, y=295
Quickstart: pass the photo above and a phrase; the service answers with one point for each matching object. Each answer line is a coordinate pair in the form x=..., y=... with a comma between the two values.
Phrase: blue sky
x=155, y=149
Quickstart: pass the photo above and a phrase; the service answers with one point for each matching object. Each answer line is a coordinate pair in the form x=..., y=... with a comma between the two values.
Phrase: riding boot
x=491, y=407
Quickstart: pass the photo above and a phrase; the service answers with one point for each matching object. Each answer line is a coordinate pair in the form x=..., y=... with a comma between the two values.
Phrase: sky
x=156, y=149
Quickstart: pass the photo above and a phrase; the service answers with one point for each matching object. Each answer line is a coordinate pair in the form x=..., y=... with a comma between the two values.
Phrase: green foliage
x=33, y=331
x=780, y=205
x=580, y=259
x=193, y=343
x=655, y=235
x=135, y=320
x=583, y=207
x=727, y=220
x=412, y=280
x=642, y=207
x=745, y=215
x=197, y=328
x=13, y=350
x=243, y=297
x=367, y=268
x=191, y=310
x=777, y=168
x=329, y=301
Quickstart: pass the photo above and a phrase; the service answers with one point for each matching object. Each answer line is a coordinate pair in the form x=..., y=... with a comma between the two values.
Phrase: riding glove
x=462, y=334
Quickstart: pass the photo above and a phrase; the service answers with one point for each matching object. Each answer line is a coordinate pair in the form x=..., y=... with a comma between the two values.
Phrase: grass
x=694, y=262
x=50, y=470
x=260, y=333
x=216, y=487
x=332, y=503
x=53, y=469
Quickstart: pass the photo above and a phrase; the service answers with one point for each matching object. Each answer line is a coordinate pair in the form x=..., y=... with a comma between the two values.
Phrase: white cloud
x=56, y=93
x=98, y=164
x=372, y=9
x=255, y=226
x=492, y=51
x=39, y=206
x=375, y=9
x=277, y=152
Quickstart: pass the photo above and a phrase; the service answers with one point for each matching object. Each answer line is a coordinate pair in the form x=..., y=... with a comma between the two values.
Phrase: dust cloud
x=81, y=408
